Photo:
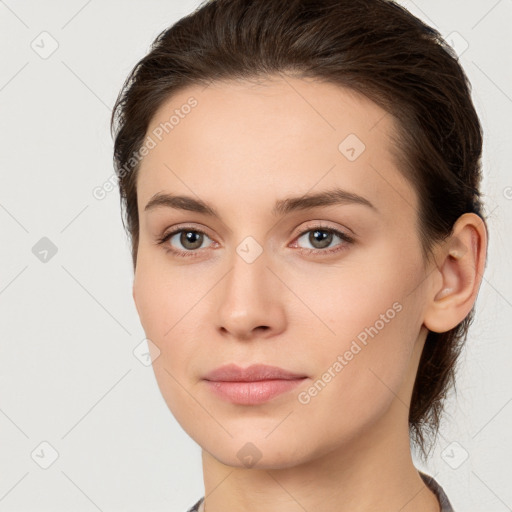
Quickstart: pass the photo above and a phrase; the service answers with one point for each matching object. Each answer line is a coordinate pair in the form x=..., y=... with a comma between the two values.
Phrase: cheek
x=164, y=314
x=173, y=306
x=162, y=295
x=162, y=309
x=354, y=294
x=369, y=322
x=358, y=378
x=149, y=299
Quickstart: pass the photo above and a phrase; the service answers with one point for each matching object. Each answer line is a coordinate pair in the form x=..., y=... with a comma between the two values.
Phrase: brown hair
x=374, y=47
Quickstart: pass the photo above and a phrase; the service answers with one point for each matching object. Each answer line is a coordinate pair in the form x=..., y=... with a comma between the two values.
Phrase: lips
x=255, y=372
x=254, y=385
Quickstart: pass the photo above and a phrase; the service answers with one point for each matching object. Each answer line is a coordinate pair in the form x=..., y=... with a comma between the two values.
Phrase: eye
x=190, y=239
x=320, y=238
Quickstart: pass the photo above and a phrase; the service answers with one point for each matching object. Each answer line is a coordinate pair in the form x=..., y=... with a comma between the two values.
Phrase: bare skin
x=241, y=149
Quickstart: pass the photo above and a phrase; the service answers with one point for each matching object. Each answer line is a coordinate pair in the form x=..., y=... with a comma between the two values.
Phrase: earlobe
x=460, y=265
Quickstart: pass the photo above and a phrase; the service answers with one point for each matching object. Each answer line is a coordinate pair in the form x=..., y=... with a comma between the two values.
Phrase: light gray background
x=68, y=329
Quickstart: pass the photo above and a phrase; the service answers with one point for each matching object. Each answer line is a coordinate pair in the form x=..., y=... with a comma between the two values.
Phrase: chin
x=255, y=453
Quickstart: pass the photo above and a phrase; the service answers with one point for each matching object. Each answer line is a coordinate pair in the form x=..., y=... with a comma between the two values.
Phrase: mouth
x=255, y=372
x=253, y=385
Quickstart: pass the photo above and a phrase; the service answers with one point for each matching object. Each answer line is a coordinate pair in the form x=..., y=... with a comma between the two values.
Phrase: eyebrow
x=335, y=196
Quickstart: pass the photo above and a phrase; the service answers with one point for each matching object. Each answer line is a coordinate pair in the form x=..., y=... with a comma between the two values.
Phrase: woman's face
x=271, y=281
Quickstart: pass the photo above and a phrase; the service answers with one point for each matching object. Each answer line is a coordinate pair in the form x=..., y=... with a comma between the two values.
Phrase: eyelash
x=347, y=240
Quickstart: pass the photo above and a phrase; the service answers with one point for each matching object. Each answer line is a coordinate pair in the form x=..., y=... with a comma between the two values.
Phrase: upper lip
x=255, y=372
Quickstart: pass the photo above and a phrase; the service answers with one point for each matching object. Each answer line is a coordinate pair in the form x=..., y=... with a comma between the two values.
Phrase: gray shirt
x=430, y=482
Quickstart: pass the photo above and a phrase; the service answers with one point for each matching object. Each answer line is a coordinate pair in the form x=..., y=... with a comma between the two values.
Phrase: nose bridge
x=247, y=279
x=249, y=297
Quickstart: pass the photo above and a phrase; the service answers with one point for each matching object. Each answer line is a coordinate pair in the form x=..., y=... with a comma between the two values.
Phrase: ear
x=460, y=263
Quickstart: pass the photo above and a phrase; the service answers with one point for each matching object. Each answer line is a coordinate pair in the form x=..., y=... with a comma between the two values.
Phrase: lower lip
x=252, y=393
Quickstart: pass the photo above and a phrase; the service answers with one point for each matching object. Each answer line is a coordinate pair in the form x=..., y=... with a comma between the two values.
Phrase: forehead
x=281, y=135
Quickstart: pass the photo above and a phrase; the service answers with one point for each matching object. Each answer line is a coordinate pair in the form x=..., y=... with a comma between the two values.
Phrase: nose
x=250, y=301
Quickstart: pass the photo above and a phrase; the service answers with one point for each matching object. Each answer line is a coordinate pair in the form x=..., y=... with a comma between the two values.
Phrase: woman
x=300, y=182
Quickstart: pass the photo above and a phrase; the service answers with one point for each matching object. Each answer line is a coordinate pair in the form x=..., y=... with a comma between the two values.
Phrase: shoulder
x=434, y=486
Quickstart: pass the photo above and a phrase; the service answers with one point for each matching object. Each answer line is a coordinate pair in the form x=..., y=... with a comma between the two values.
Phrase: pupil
x=191, y=237
x=325, y=238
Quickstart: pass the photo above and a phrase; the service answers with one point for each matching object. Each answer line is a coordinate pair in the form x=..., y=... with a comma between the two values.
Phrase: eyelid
x=184, y=227
x=346, y=240
x=171, y=232
x=322, y=225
